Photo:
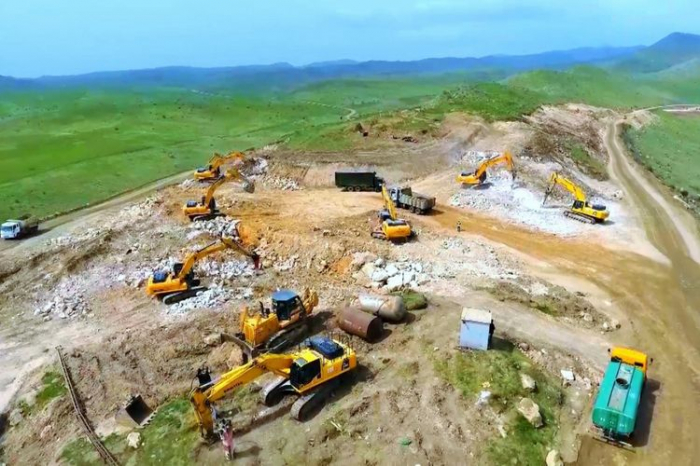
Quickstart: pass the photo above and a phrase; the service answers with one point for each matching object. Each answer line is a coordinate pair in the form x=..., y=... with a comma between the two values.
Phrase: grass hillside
x=670, y=51
x=61, y=150
x=670, y=148
x=64, y=148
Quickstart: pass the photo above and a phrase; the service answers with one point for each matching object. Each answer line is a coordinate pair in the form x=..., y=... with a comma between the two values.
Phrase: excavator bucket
x=135, y=413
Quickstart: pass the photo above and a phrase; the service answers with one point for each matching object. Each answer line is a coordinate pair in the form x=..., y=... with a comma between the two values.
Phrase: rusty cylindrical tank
x=390, y=308
x=356, y=322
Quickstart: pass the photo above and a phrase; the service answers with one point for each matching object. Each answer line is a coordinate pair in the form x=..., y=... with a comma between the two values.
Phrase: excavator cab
x=303, y=372
x=285, y=303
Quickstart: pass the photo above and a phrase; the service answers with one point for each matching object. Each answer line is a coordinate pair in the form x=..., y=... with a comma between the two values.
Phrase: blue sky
x=40, y=37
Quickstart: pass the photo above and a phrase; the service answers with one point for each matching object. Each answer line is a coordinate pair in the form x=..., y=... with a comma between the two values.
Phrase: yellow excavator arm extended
x=225, y=242
x=388, y=203
x=212, y=170
x=206, y=209
x=202, y=399
x=479, y=175
x=581, y=210
x=573, y=188
x=313, y=371
x=176, y=280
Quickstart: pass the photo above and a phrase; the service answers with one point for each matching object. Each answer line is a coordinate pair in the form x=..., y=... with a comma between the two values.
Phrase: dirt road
x=56, y=226
x=667, y=323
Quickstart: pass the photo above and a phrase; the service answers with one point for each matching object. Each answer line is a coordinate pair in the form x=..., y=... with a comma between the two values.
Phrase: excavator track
x=287, y=337
x=305, y=406
x=579, y=217
x=273, y=392
x=182, y=295
x=205, y=217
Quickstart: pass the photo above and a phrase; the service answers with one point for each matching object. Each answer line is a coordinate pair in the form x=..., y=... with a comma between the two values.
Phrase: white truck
x=16, y=229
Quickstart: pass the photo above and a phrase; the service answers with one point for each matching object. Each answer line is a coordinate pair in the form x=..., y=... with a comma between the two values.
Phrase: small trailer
x=405, y=198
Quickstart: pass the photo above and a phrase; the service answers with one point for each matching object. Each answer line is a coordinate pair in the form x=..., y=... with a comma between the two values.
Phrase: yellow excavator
x=581, y=209
x=312, y=373
x=206, y=208
x=180, y=283
x=274, y=329
x=478, y=176
x=212, y=171
x=391, y=228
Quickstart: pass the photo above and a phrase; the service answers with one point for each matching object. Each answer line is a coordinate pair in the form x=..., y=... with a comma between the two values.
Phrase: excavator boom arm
x=388, y=203
x=503, y=158
x=567, y=184
x=211, y=248
x=269, y=362
x=218, y=160
x=202, y=398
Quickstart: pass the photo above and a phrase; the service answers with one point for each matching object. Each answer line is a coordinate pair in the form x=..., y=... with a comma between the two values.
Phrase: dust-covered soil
x=566, y=290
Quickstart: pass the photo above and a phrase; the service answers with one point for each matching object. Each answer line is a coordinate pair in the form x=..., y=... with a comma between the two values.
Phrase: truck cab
x=10, y=229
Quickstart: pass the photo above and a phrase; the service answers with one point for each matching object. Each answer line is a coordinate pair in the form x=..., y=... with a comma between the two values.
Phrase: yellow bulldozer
x=180, y=282
x=581, y=209
x=206, y=208
x=276, y=328
x=311, y=374
x=391, y=227
x=212, y=171
x=478, y=176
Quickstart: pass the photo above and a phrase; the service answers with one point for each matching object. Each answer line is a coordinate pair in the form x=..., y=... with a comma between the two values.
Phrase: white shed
x=475, y=330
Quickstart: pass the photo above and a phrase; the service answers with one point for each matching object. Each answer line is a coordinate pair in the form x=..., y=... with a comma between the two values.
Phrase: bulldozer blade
x=248, y=351
x=135, y=413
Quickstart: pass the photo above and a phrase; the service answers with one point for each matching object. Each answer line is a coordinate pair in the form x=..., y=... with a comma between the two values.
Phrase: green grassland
x=670, y=148
x=61, y=149
x=498, y=371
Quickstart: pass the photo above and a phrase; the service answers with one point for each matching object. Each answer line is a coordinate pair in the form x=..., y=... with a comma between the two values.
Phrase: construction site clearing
x=492, y=245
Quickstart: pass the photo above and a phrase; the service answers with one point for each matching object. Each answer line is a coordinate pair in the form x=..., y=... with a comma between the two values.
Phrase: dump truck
x=616, y=406
x=19, y=228
x=358, y=181
x=405, y=198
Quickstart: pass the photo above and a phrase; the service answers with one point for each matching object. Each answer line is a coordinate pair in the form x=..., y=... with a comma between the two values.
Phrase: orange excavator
x=212, y=171
x=206, y=209
x=478, y=176
x=180, y=283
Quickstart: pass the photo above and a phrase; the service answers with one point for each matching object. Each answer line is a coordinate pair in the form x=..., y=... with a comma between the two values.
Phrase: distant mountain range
x=670, y=52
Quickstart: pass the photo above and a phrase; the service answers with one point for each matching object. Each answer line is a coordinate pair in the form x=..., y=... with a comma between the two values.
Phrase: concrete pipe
x=390, y=308
x=365, y=326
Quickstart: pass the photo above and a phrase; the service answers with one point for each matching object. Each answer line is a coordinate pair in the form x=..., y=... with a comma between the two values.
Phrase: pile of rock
x=376, y=273
x=285, y=184
x=189, y=183
x=225, y=269
x=67, y=302
x=73, y=239
x=218, y=226
x=212, y=297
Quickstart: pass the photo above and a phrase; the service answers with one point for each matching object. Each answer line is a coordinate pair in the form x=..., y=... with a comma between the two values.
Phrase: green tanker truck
x=617, y=404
